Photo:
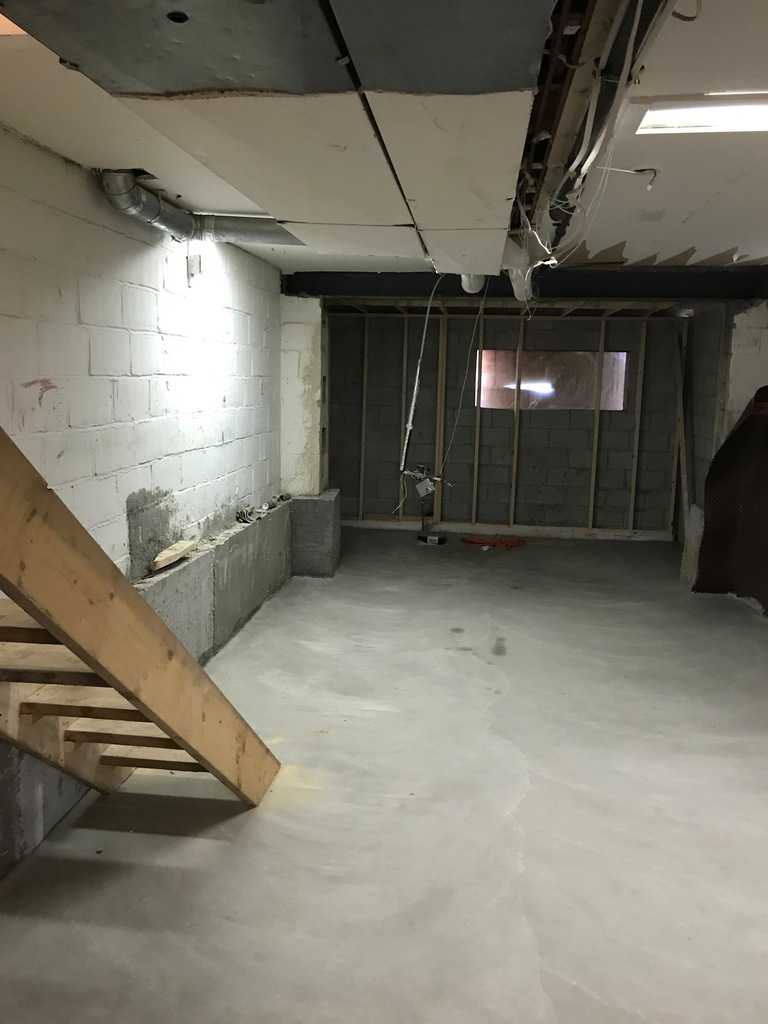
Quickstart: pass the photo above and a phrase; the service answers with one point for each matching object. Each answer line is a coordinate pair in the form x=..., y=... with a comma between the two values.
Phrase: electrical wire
x=470, y=350
x=417, y=378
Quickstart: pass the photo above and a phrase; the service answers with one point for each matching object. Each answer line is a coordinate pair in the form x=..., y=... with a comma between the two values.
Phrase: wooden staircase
x=91, y=679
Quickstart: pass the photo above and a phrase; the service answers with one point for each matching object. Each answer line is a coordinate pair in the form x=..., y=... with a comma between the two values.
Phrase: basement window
x=715, y=117
x=552, y=380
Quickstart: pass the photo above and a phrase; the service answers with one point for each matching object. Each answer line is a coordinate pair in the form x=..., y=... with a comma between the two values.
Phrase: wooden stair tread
x=18, y=627
x=81, y=702
x=146, y=757
x=129, y=734
x=44, y=663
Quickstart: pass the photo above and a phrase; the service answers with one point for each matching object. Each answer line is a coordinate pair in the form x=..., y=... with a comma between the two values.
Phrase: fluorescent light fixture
x=538, y=387
x=715, y=117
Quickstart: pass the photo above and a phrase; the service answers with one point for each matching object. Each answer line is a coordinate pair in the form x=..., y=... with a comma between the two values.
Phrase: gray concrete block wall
x=496, y=435
x=704, y=365
x=460, y=419
x=384, y=400
x=657, y=426
x=345, y=408
x=422, y=447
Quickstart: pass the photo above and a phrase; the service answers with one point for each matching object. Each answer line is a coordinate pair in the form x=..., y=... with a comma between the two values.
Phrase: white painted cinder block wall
x=302, y=369
x=748, y=366
x=115, y=374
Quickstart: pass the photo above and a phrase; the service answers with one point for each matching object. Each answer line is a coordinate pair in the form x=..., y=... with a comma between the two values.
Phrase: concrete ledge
x=206, y=598
x=316, y=534
x=249, y=564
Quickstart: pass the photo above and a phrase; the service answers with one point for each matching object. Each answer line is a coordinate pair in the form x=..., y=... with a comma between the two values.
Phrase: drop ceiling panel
x=445, y=46
x=66, y=112
x=135, y=48
x=303, y=158
x=291, y=259
x=467, y=251
x=457, y=157
x=723, y=49
x=355, y=240
x=703, y=203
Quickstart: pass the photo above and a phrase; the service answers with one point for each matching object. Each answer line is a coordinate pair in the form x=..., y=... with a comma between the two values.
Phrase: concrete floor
x=517, y=787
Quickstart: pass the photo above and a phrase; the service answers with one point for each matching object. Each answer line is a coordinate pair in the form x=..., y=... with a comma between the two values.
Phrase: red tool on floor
x=503, y=543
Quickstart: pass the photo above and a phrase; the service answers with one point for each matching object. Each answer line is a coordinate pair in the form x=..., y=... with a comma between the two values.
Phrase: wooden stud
x=598, y=396
x=53, y=569
x=680, y=446
x=44, y=737
x=478, y=401
x=147, y=757
x=631, y=509
x=442, y=365
x=403, y=413
x=363, y=424
x=109, y=731
x=44, y=663
x=18, y=627
x=80, y=702
x=516, y=428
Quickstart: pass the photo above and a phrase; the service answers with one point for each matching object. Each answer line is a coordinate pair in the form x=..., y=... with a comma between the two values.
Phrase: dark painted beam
x=568, y=283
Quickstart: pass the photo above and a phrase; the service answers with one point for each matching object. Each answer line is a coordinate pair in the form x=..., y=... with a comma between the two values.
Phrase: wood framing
x=598, y=393
x=478, y=423
x=442, y=364
x=639, y=386
x=516, y=428
x=363, y=424
x=55, y=571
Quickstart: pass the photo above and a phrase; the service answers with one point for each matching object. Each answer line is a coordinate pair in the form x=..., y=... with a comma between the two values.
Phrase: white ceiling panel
x=355, y=240
x=457, y=157
x=313, y=159
x=64, y=111
x=466, y=251
x=703, y=203
x=723, y=49
x=295, y=258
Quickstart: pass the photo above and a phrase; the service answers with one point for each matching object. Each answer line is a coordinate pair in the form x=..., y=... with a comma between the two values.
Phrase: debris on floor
x=501, y=543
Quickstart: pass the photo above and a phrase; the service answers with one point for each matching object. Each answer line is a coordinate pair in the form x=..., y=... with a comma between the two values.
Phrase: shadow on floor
x=160, y=814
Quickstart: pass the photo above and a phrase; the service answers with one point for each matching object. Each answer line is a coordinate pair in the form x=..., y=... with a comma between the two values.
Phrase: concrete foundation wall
x=316, y=534
x=149, y=401
x=302, y=396
x=555, y=454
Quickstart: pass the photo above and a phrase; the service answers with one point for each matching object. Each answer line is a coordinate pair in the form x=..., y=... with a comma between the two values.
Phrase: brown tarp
x=733, y=558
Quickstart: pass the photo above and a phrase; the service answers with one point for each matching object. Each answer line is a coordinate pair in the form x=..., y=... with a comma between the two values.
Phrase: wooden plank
x=144, y=757
x=442, y=364
x=516, y=433
x=598, y=400
x=18, y=627
x=52, y=567
x=181, y=549
x=478, y=409
x=631, y=508
x=45, y=738
x=80, y=702
x=363, y=424
x=129, y=734
x=32, y=663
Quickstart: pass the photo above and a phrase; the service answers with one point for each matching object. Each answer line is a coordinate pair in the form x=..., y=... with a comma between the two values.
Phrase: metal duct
x=126, y=195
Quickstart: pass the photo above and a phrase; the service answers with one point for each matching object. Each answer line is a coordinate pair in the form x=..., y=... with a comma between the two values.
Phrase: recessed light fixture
x=715, y=117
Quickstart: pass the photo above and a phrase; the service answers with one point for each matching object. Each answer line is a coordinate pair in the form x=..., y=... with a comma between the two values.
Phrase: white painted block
x=100, y=301
x=131, y=399
x=67, y=456
x=166, y=473
x=39, y=404
x=90, y=402
x=93, y=501
x=19, y=349
x=114, y=448
x=113, y=538
x=64, y=350
x=140, y=308
x=110, y=351
x=146, y=353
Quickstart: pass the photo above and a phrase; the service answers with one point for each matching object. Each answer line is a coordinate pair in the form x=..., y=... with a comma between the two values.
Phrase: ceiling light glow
x=720, y=117
x=538, y=387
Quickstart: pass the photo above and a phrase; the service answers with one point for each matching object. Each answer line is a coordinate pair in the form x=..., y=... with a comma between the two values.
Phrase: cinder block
x=90, y=403
x=66, y=456
x=110, y=351
x=316, y=532
x=131, y=399
x=139, y=308
x=183, y=598
x=250, y=564
x=39, y=404
x=146, y=353
x=63, y=350
x=114, y=448
x=100, y=301
x=620, y=460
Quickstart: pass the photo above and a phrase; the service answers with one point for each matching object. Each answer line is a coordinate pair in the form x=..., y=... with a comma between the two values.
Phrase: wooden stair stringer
x=55, y=572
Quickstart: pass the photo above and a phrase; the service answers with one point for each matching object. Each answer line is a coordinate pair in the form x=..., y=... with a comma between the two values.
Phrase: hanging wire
x=470, y=350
